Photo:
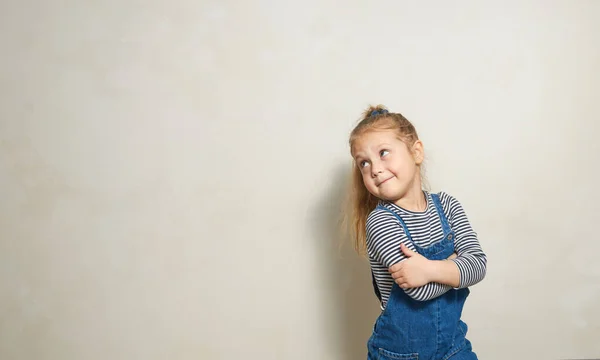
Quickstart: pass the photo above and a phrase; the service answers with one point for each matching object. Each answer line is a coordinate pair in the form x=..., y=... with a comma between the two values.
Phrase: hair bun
x=378, y=112
x=374, y=111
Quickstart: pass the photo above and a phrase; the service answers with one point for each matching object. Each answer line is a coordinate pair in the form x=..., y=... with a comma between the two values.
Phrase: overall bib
x=423, y=330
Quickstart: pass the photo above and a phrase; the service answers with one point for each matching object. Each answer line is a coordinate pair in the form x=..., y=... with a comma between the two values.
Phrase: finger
x=399, y=274
x=407, y=252
x=399, y=279
x=395, y=268
x=406, y=284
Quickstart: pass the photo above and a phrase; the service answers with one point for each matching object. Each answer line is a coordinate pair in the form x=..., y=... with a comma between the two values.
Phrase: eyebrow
x=383, y=144
x=378, y=146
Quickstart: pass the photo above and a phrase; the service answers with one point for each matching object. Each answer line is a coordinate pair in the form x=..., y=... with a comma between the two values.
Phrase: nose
x=376, y=169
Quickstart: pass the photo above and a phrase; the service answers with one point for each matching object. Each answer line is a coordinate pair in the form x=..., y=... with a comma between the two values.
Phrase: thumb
x=407, y=252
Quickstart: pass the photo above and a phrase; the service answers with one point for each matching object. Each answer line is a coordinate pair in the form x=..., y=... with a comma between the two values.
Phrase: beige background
x=171, y=172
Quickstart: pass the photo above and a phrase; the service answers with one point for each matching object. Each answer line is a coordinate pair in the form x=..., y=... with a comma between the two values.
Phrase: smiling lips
x=378, y=185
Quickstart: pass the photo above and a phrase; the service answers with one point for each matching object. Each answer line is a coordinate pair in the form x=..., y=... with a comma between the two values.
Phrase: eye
x=363, y=164
x=383, y=153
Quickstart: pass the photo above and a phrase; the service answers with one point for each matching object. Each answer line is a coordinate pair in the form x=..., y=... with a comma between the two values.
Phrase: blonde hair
x=360, y=201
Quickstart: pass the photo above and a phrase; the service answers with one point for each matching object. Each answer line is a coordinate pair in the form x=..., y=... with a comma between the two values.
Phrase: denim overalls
x=423, y=330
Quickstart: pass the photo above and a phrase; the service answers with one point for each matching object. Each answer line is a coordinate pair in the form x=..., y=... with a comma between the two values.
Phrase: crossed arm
x=424, y=279
x=416, y=271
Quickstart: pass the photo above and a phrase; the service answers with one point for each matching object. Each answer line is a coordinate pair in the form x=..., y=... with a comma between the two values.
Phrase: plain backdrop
x=172, y=172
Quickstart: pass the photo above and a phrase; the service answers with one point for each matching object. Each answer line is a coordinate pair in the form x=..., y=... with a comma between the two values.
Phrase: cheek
x=365, y=177
x=367, y=180
x=401, y=169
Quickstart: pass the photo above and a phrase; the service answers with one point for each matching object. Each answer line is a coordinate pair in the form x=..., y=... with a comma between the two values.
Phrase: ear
x=418, y=152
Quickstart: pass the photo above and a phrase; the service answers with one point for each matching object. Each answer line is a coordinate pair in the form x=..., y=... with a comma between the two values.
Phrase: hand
x=413, y=272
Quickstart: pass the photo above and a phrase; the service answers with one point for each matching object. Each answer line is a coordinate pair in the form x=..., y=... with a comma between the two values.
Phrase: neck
x=413, y=200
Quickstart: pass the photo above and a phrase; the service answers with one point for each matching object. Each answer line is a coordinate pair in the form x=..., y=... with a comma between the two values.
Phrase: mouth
x=378, y=185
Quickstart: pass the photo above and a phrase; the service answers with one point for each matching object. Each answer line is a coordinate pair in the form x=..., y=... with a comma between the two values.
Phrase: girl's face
x=389, y=169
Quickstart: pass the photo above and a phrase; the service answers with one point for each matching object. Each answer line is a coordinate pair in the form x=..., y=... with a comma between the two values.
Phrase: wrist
x=434, y=270
x=444, y=272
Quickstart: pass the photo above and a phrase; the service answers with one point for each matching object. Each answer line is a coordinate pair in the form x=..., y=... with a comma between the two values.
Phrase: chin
x=388, y=197
x=392, y=199
x=392, y=196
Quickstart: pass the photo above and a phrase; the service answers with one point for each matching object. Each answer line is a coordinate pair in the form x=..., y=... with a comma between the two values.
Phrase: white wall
x=171, y=172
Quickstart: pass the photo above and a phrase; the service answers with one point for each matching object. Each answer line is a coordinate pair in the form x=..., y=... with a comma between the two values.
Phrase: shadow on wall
x=350, y=301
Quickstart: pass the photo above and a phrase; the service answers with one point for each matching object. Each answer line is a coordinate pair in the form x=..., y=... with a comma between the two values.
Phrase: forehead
x=372, y=139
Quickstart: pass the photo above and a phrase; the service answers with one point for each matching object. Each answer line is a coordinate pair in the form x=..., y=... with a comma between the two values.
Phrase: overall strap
x=440, y=210
x=404, y=227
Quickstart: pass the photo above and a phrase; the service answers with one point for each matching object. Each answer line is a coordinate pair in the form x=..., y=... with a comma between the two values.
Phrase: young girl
x=423, y=252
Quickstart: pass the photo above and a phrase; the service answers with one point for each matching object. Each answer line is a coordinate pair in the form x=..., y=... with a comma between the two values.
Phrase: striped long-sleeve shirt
x=384, y=235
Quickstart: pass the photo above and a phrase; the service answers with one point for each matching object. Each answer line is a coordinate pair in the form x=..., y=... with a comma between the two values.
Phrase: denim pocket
x=388, y=355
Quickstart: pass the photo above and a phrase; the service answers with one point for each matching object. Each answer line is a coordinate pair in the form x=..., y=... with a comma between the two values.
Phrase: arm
x=418, y=270
x=471, y=260
x=384, y=236
x=445, y=272
x=464, y=270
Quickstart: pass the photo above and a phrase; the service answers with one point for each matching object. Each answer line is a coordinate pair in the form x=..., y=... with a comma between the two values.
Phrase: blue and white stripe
x=384, y=235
